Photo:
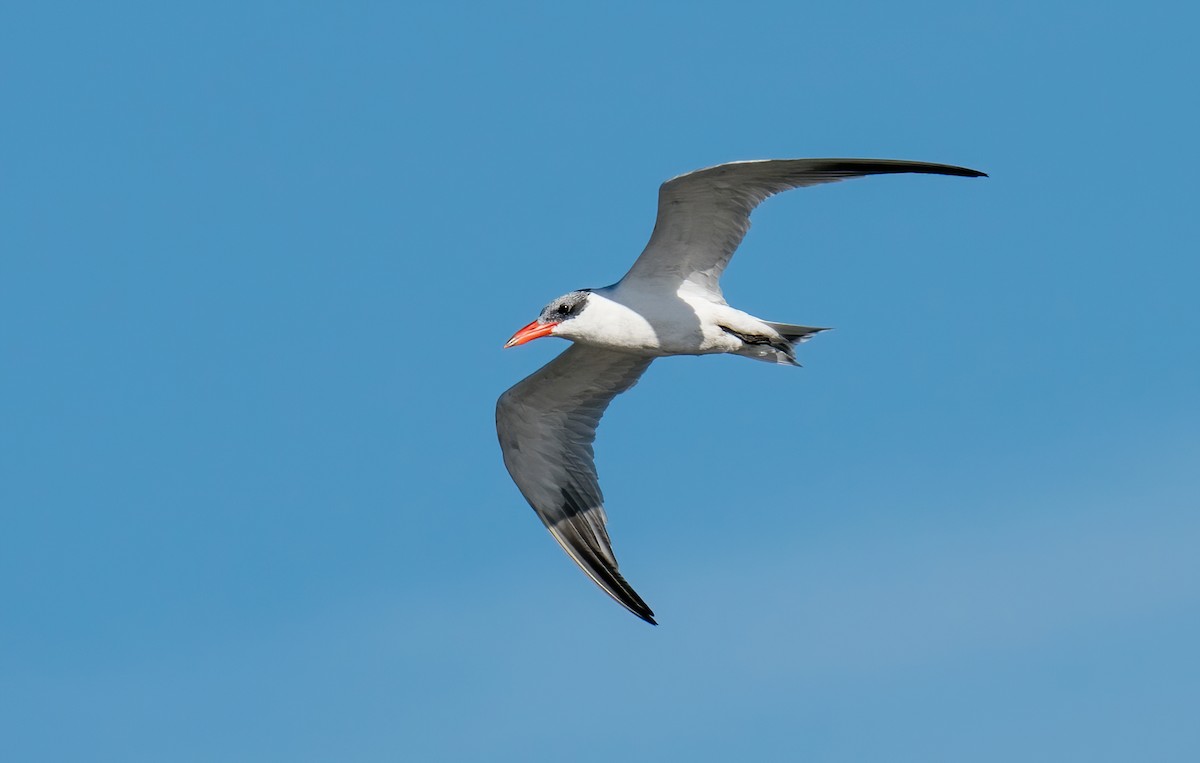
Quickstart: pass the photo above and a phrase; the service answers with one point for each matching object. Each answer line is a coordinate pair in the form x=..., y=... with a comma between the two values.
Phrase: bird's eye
x=563, y=309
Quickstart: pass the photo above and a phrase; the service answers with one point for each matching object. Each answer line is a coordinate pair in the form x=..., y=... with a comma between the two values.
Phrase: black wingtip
x=854, y=167
x=585, y=552
x=966, y=172
x=642, y=613
x=628, y=598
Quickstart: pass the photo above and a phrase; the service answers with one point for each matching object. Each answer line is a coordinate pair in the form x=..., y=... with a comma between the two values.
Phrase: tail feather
x=775, y=349
x=795, y=334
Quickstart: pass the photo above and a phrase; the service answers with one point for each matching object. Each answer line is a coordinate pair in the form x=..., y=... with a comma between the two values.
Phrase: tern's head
x=555, y=318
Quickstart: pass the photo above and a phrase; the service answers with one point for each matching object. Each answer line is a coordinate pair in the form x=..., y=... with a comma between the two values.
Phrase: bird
x=669, y=303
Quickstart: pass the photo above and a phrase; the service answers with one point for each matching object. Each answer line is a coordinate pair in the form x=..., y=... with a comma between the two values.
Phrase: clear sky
x=257, y=262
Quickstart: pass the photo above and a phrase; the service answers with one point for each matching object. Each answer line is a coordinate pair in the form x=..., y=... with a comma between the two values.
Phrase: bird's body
x=669, y=303
x=630, y=317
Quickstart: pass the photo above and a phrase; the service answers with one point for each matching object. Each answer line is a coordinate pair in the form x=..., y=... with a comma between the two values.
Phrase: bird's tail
x=778, y=349
x=795, y=334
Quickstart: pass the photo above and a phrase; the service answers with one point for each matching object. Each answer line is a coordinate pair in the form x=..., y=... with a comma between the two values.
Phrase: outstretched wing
x=546, y=424
x=703, y=215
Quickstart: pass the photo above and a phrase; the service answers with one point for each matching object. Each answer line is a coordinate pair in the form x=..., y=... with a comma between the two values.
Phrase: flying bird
x=669, y=303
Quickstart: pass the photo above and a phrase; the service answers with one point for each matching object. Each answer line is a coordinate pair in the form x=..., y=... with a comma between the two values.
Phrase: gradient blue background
x=256, y=265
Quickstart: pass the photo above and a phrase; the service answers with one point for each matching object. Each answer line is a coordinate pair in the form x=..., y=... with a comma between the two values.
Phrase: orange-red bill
x=532, y=331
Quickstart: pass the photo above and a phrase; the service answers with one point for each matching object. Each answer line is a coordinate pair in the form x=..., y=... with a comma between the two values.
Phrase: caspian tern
x=669, y=303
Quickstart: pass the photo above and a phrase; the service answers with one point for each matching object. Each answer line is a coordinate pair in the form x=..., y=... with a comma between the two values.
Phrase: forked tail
x=779, y=348
x=795, y=334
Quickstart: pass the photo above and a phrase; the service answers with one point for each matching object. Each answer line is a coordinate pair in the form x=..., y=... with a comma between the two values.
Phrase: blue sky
x=258, y=261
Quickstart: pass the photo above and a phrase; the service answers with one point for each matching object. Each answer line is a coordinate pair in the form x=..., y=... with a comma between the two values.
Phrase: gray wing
x=703, y=215
x=546, y=424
